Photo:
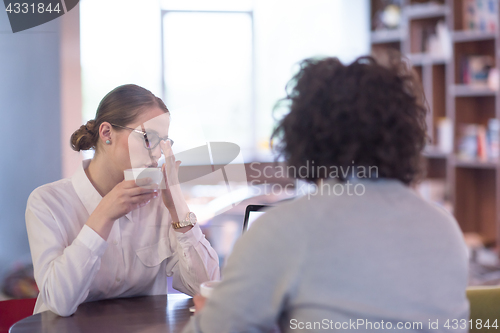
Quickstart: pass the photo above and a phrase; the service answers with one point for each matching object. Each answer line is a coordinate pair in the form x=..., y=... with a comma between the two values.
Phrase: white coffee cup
x=207, y=287
x=140, y=173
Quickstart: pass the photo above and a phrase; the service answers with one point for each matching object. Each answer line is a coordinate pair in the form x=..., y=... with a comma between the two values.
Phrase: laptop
x=252, y=212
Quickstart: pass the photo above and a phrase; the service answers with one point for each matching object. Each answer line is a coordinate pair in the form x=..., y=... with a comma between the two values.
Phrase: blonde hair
x=120, y=106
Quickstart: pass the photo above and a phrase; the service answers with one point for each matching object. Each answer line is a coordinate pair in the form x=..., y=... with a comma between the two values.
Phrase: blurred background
x=219, y=65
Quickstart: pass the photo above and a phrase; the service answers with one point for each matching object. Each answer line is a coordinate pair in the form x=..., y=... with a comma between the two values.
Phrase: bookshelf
x=471, y=184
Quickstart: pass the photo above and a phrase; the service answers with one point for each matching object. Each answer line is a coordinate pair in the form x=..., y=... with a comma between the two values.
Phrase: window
x=208, y=67
x=220, y=65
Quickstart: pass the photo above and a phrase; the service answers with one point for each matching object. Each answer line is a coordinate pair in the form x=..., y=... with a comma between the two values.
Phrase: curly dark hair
x=371, y=113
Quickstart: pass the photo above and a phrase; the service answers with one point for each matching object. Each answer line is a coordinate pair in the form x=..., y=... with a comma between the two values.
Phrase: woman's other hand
x=170, y=171
x=122, y=199
x=172, y=194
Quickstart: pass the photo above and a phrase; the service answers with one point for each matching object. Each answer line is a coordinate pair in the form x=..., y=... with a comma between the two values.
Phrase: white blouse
x=73, y=264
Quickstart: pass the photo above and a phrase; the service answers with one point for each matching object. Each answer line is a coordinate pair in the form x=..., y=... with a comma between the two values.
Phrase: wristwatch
x=189, y=220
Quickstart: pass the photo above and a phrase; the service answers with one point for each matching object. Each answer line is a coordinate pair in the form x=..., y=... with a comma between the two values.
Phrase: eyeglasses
x=151, y=139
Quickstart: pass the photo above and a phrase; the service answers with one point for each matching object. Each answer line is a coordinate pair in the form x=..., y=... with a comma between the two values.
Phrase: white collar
x=87, y=193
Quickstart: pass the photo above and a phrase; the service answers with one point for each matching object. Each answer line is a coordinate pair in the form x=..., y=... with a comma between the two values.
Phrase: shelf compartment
x=474, y=110
x=472, y=48
x=475, y=201
x=459, y=23
x=469, y=111
x=420, y=30
x=436, y=165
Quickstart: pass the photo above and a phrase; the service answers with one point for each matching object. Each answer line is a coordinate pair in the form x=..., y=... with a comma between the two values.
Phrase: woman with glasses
x=95, y=235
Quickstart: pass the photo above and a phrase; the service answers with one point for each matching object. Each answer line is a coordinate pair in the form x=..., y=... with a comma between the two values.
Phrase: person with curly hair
x=378, y=258
x=95, y=235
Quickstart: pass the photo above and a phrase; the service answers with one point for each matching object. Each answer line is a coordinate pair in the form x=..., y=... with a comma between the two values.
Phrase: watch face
x=192, y=218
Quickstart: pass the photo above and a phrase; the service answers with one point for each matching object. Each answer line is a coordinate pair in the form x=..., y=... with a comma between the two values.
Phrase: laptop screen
x=252, y=213
x=252, y=217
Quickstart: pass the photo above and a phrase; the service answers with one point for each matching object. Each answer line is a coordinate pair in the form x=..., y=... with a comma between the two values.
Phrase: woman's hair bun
x=85, y=137
x=90, y=126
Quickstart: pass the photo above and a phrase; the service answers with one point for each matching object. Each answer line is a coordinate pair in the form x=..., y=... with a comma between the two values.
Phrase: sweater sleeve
x=259, y=277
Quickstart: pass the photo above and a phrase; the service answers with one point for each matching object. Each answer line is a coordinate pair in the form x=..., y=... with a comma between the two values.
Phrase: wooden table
x=146, y=314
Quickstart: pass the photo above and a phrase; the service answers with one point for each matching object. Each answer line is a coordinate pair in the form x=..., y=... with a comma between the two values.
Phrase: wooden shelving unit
x=472, y=185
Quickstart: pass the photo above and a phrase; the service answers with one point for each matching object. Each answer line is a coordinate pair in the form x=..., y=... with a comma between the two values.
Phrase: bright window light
x=225, y=62
x=208, y=77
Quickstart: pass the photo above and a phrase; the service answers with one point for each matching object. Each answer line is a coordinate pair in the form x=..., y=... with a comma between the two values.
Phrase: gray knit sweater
x=379, y=261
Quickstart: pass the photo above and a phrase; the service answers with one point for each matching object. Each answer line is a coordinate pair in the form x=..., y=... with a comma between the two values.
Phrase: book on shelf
x=479, y=142
x=482, y=150
x=475, y=69
x=445, y=135
x=494, y=138
x=480, y=15
x=493, y=79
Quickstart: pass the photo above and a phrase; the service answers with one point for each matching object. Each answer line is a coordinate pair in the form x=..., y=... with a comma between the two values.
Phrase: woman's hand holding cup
x=127, y=196
x=122, y=199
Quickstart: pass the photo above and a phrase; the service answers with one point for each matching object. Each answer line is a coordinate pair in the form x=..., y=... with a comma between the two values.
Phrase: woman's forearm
x=100, y=224
x=178, y=207
x=63, y=273
x=196, y=261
